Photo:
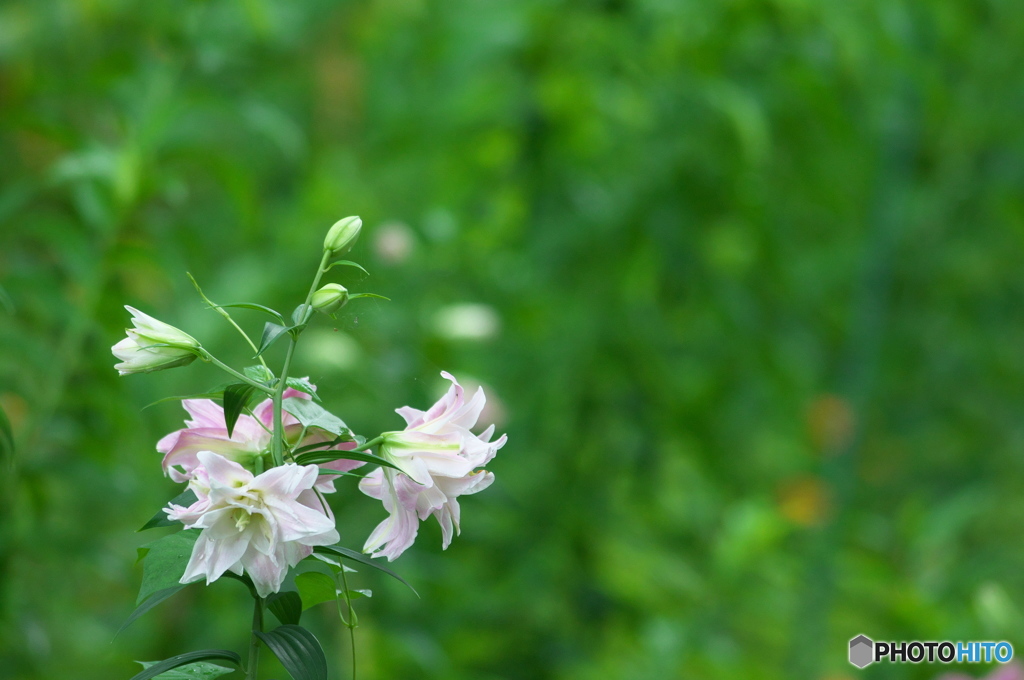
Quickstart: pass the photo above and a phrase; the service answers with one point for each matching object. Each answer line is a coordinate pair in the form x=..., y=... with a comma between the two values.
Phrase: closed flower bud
x=330, y=298
x=153, y=346
x=343, y=234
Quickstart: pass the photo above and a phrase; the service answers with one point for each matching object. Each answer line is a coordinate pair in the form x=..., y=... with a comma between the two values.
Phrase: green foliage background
x=757, y=270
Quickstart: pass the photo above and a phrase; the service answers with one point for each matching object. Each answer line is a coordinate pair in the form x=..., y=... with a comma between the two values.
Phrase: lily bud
x=330, y=298
x=343, y=234
x=153, y=345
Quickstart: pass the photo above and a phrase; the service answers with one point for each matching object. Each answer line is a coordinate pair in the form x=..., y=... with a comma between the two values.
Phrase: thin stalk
x=351, y=624
x=252, y=669
x=244, y=378
x=220, y=310
x=279, y=443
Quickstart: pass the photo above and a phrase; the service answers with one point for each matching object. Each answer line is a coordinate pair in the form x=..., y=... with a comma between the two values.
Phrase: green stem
x=252, y=669
x=279, y=442
x=351, y=621
x=220, y=310
x=224, y=367
x=282, y=384
x=369, y=445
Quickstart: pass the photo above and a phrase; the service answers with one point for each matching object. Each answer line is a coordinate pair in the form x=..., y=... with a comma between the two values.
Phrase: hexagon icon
x=861, y=648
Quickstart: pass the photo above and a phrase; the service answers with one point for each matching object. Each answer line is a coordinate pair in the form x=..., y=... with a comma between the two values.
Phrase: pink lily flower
x=250, y=439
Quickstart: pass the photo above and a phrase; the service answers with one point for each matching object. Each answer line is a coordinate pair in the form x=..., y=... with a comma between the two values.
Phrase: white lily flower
x=153, y=346
x=260, y=525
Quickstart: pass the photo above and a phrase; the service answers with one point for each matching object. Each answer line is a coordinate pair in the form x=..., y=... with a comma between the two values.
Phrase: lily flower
x=153, y=346
x=437, y=456
x=250, y=439
x=260, y=525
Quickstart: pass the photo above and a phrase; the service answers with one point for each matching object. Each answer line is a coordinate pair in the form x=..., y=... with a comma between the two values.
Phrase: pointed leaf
x=299, y=315
x=347, y=263
x=303, y=385
x=286, y=605
x=155, y=669
x=185, y=499
x=298, y=651
x=259, y=373
x=369, y=295
x=314, y=415
x=252, y=305
x=350, y=554
x=271, y=333
x=315, y=588
x=165, y=561
x=236, y=397
x=152, y=601
x=319, y=457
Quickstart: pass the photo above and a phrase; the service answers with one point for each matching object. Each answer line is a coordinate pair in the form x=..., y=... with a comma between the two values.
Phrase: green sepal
x=298, y=650
x=154, y=669
x=160, y=519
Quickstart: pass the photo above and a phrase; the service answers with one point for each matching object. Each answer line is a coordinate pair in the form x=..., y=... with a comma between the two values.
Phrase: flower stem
x=220, y=310
x=307, y=311
x=351, y=623
x=224, y=367
x=252, y=669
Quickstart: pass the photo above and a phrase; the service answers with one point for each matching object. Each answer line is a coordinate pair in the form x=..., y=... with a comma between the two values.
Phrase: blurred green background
x=742, y=278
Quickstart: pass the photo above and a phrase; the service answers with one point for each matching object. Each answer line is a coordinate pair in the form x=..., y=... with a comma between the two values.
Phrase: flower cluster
x=437, y=457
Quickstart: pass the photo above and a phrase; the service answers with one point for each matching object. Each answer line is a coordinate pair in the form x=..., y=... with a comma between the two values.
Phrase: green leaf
x=350, y=554
x=236, y=397
x=319, y=445
x=152, y=601
x=315, y=588
x=347, y=263
x=318, y=457
x=216, y=393
x=286, y=606
x=259, y=373
x=185, y=498
x=165, y=561
x=303, y=385
x=313, y=415
x=154, y=669
x=6, y=436
x=193, y=671
x=252, y=305
x=355, y=594
x=271, y=333
x=298, y=651
x=369, y=295
x=299, y=315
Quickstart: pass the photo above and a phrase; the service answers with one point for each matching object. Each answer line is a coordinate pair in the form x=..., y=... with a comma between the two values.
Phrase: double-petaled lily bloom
x=153, y=346
x=250, y=439
x=260, y=525
x=437, y=457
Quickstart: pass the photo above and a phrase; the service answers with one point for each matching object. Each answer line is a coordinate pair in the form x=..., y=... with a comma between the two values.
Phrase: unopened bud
x=343, y=234
x=330, y=298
